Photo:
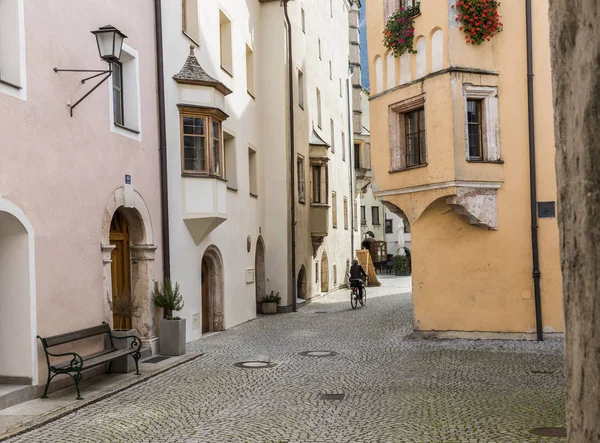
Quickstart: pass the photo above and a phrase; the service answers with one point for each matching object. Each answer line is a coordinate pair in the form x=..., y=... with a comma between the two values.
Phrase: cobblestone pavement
x=396, y=389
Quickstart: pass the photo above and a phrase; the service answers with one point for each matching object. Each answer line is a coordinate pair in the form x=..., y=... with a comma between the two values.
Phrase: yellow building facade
x=467, y=197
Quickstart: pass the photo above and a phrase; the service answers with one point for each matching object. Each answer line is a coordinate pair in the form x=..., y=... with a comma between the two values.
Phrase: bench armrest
x=136, y=343
x=76, y=361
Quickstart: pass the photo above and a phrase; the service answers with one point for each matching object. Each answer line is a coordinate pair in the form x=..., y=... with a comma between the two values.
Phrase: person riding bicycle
x=357, y=276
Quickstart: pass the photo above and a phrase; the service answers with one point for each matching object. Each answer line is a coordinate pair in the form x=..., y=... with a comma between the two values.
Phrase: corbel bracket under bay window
x=477, y=205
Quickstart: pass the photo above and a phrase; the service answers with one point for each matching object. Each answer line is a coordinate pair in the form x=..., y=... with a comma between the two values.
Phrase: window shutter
x=324, y=190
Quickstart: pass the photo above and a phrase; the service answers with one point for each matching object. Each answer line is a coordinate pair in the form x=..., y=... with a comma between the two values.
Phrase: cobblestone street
x=397, y=389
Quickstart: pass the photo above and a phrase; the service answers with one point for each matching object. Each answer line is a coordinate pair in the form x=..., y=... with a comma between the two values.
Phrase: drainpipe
x=162, y=138
x=532, y=178
x=292, y=152
x=350, y=159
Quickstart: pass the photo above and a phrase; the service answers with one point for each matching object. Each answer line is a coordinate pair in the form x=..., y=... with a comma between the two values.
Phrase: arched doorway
x=324, y=272
x=212, y=291
x=261, y=278
x=122, y=305
x=17, y=298
x=128, y=255
x=301, y=287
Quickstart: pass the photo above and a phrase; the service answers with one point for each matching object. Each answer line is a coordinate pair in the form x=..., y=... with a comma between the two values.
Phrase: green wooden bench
x=78, y=363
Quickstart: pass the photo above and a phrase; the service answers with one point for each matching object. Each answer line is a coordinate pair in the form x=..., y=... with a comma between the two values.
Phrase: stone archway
x=18, y=364
x=261, y=278
x=324, y=272
x=213, y=285
x=301, y=284
x=130, y=204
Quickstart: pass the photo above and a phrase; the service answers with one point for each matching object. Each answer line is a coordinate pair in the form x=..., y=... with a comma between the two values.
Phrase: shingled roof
x=193, y=74
x=316, y=140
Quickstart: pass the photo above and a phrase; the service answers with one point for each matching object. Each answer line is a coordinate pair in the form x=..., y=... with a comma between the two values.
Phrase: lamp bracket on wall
x=98, y=73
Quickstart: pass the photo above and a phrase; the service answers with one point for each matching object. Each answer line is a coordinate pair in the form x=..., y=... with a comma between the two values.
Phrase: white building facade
x=228, y=144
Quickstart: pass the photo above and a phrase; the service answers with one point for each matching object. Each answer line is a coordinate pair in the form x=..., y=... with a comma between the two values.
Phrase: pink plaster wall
x=60, y=170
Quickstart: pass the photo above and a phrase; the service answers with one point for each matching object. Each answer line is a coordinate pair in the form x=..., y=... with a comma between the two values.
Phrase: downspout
x=350, y=159
x=162, y=140
x=532, y=178
x=292, y=152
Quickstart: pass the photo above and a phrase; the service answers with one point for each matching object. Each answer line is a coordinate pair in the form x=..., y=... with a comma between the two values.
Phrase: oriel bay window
x=202, y=142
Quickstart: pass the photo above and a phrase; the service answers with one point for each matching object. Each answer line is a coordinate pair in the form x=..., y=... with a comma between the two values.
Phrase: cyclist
x=357, y=276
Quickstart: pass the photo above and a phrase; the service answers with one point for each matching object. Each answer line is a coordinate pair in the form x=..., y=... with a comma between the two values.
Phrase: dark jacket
x=356, y=271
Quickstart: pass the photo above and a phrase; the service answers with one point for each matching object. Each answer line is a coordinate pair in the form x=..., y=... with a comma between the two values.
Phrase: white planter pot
x=172, y=337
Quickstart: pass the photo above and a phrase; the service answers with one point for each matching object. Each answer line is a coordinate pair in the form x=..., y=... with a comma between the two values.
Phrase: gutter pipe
x=350, y=159
x=292, y=153
x=532, y=178
x=162, y=139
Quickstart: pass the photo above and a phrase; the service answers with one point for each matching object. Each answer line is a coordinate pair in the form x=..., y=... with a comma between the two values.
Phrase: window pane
x=194, y=153
x=118, y=107
x=216, y=153
x=473, y=111
x=412, y=149
x=474, y=129
x=316, y=184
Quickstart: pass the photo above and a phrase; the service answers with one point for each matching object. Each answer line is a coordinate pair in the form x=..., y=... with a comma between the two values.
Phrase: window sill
x=251, y=95
x=192, y=39
x=253, y=195
x=227, y=71
x=302, y=202
x=334, y=227
x=392, y=171
x=319, y=205
x=192, y=174
x=301, y=106
x=127, y=129
x=12, y=85
x=495, y=162
x=229, y=188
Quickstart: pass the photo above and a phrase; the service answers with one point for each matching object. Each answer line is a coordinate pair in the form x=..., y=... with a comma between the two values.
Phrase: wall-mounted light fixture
x=110, y=43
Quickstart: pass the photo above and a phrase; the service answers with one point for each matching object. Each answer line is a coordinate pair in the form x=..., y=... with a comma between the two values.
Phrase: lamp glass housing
x=110, y=43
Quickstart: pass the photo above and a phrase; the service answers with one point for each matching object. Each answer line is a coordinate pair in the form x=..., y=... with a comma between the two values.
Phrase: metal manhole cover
x=321, y=312
x=549, y=432
x=332, y=397
x=255, y=364
x=318, y=353
x=155, y=359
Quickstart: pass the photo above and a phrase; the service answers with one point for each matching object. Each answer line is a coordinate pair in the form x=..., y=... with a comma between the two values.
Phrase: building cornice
x=440, y=185
x=451, y=70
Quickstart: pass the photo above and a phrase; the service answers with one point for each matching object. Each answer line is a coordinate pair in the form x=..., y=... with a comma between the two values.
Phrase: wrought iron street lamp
x=110, y=43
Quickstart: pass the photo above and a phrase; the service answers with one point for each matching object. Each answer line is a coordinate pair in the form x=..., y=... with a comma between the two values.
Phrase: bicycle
x=354, y=300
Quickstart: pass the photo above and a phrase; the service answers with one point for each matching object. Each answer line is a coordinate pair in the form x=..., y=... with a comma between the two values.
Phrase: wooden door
x=205, y=298
x=121, y=271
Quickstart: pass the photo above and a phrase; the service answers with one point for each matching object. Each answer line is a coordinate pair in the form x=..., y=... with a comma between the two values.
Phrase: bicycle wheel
x=353, y=299
x=364, y=297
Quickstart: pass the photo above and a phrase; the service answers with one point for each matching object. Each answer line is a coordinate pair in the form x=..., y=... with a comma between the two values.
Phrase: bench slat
x=97, y=358
x=76, y=335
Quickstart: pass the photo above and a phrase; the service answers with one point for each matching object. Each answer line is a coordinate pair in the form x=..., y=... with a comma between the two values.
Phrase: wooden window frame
x=346, y=213
x=479, y=124
x=323, y=192
x=378, y=216
x=389, y=224
x=334, y=209
x=210, y=116
x=363, y=215
x=301, y=178
x=398, y=113
x=118, y=89
x=421, y=137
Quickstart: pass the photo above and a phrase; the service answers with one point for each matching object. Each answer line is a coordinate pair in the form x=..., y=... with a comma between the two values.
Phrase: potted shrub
x=401, y=266
x=172, y=329
x=123, y=307
x=270, y=302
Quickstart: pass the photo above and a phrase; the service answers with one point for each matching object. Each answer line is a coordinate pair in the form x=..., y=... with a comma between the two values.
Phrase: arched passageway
x=261, y=278
x=212, y=291
x=16, y=295
x=324, y=272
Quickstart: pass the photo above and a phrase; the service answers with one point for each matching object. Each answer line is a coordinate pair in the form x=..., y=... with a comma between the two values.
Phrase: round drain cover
x=550, y=432
x=255, y=364
x=318, y=353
